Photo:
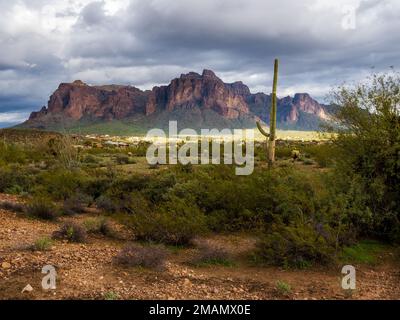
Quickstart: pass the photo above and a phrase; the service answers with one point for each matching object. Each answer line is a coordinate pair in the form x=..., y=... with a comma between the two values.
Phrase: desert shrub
x=308, y=162
x=140, y=149
x=100, y=225
x=64, y=151
x=72, y=232
x=298, y=246
x=283, y=288
x=132, y=255
x=175, y=222
x=95, y=182
x=12, y=206
x=106, y=204
x=111, y=296
x=15, y=189
x=42, y=208
x=283, y=152
x=12, y=153
x=186, y=168
x=368, y=143
x=90, y=160
x=122, y=159
x=76, y=204
x=211, y=254
x=60, y=183
x=123, y=202
x=156, y=189
x=42, y=244
x=15, y=179
x=324, y=154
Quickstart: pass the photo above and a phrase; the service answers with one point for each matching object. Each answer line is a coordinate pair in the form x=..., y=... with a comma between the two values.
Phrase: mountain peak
x=209, y=74
x=79, y=83
x=190, y=75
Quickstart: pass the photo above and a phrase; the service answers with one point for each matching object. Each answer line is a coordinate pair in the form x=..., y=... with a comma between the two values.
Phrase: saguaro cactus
x=272, y=122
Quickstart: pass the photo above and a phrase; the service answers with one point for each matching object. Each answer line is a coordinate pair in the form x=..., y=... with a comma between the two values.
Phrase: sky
x=320, y=44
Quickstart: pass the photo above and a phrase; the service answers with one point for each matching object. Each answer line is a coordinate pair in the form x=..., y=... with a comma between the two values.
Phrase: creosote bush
x=72, y=232
x=132, y=255
x=297, y=246
x=175, y=223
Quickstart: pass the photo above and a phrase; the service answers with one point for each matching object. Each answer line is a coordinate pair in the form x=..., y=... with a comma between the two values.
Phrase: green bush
x=60, y=183
x=283, y=287
x=122, y=159
x=175, y=222
x=106, y=204
x=324, y=154
x=298, y=246
x=283, y=152
x=368, y=144
x=12, y=153
x=15, y=179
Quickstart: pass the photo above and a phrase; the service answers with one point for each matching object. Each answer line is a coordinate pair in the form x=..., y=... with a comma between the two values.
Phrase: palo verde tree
x=271, y=136
x=367, y=141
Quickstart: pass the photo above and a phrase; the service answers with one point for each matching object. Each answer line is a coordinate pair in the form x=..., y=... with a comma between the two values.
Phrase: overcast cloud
x=147, y=43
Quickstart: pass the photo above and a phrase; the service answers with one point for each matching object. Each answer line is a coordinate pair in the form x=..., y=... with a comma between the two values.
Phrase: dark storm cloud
x=147, y=43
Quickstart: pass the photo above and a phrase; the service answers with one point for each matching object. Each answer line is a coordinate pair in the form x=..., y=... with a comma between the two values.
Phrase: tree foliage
x=368, y=144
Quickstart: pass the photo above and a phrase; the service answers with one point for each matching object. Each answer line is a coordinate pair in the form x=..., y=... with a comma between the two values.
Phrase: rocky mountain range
x=194, y=100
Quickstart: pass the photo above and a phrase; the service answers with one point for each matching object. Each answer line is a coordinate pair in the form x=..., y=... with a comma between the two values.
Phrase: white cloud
x=13, y=117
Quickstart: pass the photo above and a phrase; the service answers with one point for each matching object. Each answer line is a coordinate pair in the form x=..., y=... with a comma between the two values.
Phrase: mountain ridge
x=194, y=100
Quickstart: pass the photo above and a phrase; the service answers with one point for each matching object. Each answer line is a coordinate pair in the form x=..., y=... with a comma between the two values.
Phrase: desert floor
x=86, y=271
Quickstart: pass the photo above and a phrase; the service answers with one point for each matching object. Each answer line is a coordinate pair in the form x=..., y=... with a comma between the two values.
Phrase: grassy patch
x=209, y=254
x=99, y=225
x=42, y=244
x=223, y=262
x=283, y=287
x=111, y=296
x=366, y=251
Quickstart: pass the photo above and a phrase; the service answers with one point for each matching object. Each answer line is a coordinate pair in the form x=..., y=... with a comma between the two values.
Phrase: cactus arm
x=263, y=132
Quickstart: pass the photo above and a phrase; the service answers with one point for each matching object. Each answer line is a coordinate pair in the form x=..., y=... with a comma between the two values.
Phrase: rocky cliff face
x=205, y=91
x=77, y=100
x=190, y=92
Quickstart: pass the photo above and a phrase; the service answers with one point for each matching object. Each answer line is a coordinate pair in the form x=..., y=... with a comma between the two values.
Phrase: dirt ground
x=86, y=271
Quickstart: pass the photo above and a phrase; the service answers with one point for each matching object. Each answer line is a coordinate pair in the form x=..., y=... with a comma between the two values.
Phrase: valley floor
x=86, y=271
